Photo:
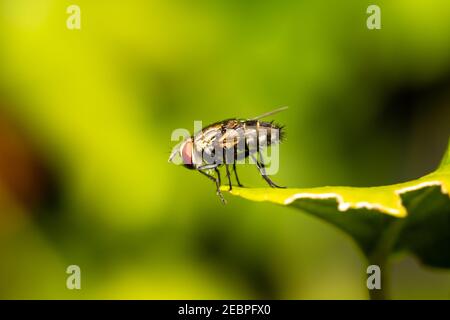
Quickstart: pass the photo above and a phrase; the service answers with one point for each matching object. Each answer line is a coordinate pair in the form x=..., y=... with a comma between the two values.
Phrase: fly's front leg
x=262, y=171
x=217, y=181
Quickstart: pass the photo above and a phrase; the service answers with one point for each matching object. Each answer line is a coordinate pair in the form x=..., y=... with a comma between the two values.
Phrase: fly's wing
x=220, y=137
x=241, y=139
x=231, y=138
x=234, y=141
x=207, y=137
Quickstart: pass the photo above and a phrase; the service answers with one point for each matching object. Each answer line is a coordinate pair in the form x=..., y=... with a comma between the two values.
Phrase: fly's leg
x=236, y=175
x=217, y=182
x=262, y=171
x=218, y=175
x=207, y=166
x=228, y=176
x=227, y=167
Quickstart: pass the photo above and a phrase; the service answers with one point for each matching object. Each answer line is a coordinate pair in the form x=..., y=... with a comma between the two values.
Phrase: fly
x=229, y=142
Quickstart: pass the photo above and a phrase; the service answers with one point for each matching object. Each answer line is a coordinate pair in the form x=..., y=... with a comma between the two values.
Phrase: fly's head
x=182, y=153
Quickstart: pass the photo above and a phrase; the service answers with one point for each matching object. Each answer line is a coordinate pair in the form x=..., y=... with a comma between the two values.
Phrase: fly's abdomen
x=262, y=134
x=254, y=135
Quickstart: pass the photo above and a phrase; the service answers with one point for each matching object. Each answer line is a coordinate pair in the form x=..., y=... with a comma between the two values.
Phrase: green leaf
x=413, y=215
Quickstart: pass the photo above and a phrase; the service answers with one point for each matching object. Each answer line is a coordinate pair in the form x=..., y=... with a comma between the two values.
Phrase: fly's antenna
x=269, y=113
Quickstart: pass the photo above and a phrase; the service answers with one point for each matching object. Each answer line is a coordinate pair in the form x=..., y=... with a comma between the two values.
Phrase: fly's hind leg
x=229, y=178
x=262, y=171
x=217, y=182
x=236, y=175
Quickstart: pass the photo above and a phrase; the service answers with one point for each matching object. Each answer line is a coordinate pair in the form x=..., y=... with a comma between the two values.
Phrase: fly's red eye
x=187, y=153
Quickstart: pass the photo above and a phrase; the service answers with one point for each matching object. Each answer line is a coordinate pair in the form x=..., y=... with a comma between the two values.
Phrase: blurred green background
x=85, y=123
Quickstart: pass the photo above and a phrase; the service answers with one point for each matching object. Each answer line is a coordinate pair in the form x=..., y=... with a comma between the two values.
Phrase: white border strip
x=344, y=206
